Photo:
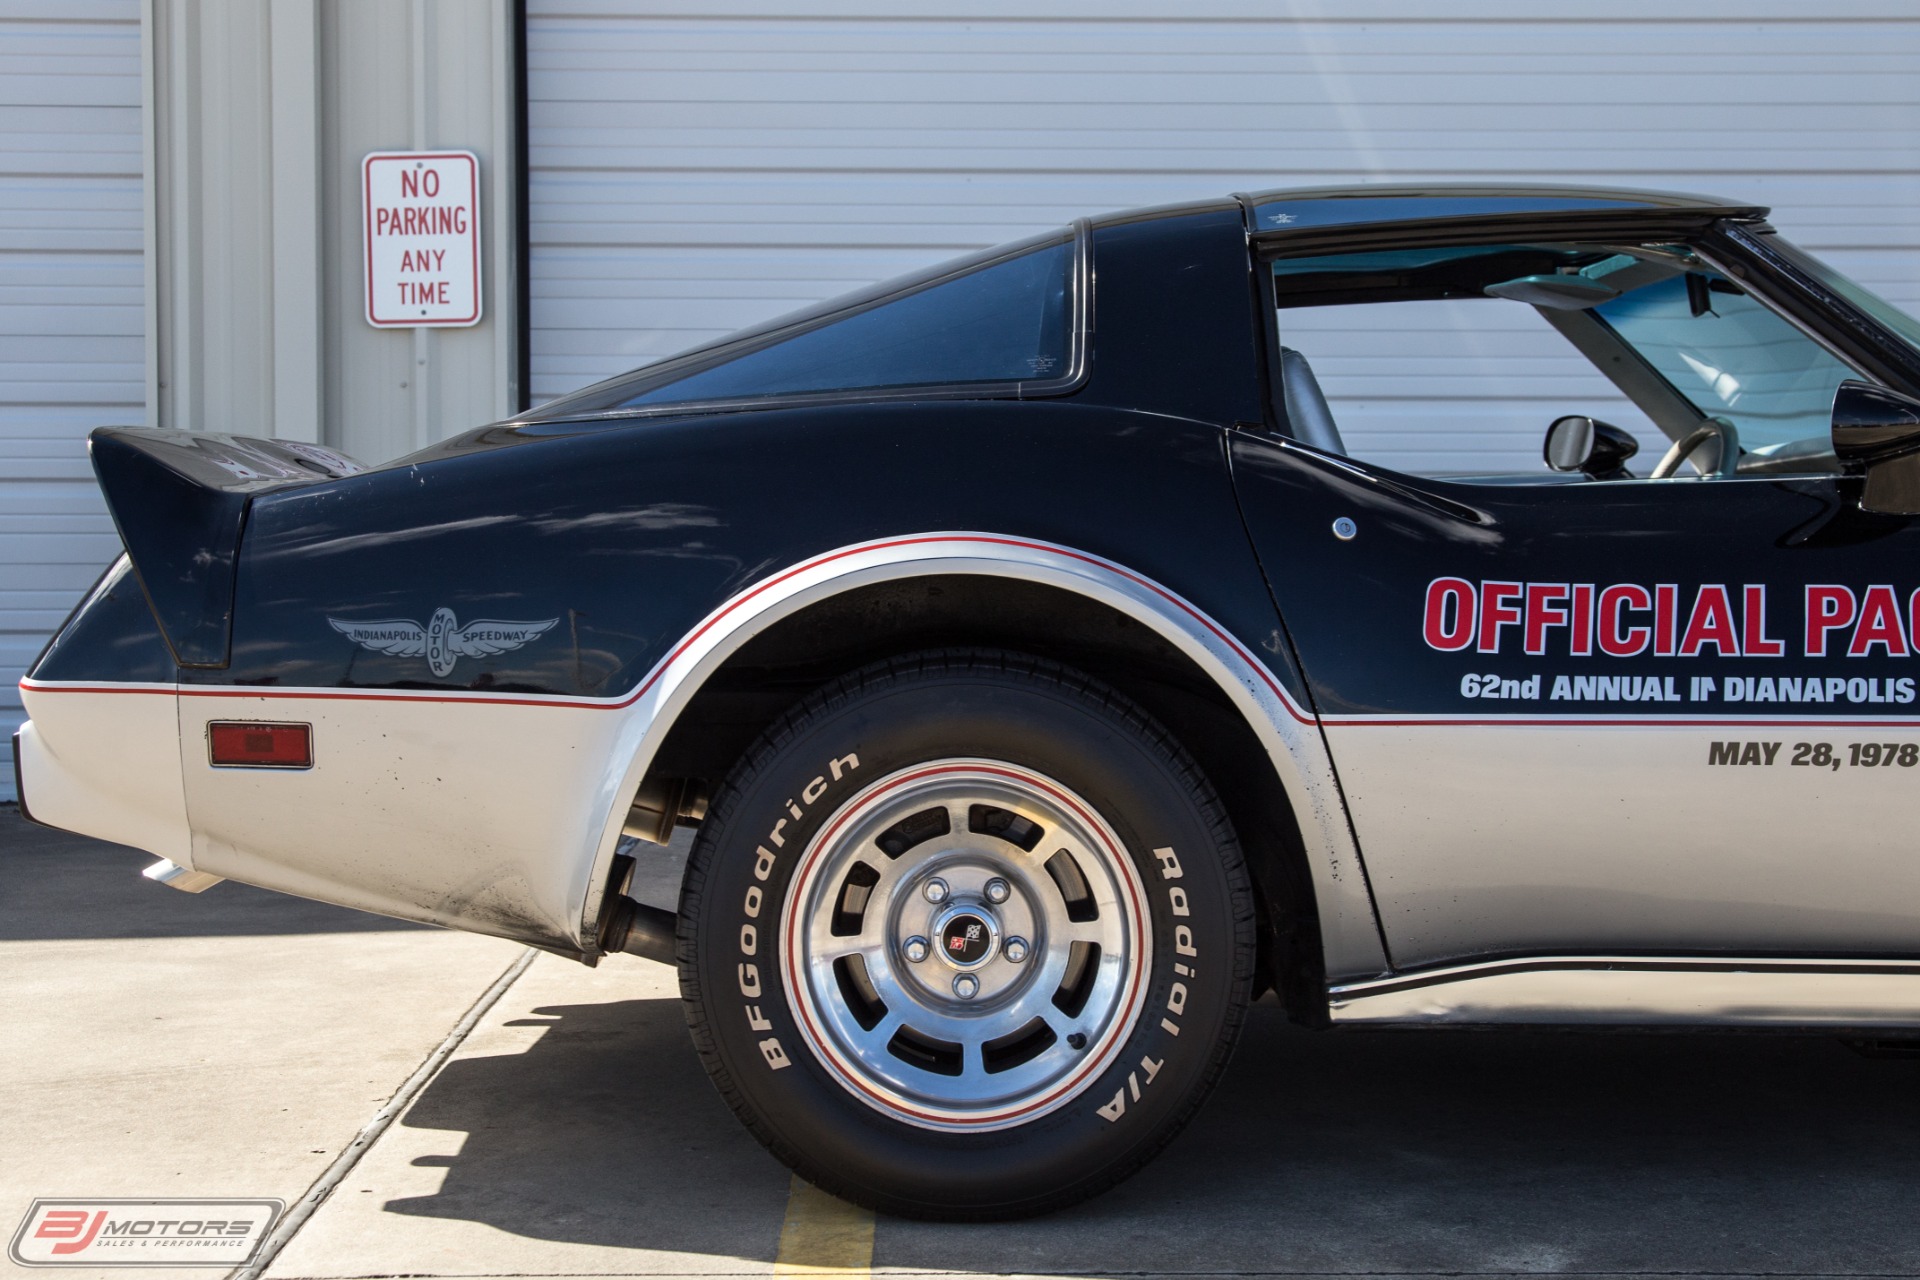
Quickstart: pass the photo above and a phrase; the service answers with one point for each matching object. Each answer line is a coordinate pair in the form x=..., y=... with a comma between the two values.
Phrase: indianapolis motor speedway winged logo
x=443, y=641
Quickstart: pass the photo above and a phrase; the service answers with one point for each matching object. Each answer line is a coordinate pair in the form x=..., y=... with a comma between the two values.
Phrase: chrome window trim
x=1079, y=356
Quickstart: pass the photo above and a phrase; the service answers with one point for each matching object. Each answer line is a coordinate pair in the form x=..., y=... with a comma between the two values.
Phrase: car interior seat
x=1308, y=417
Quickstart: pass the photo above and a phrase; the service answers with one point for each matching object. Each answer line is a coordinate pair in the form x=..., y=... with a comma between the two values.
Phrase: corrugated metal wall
x=71, y=306
x=703, y=164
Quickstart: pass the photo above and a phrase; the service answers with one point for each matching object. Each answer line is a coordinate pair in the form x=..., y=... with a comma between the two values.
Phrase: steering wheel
x=1685, y=447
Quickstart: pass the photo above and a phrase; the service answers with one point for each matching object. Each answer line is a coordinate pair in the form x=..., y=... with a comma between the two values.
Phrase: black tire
x=1152, y=1068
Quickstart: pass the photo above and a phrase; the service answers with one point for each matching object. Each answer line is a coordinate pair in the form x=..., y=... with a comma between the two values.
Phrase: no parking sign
x=422, y=215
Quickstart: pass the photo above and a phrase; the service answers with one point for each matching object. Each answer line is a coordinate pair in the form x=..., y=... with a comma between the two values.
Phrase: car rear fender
x=1287, y=729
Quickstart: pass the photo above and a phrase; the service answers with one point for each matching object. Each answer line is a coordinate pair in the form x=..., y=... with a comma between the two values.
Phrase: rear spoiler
x=180, y=503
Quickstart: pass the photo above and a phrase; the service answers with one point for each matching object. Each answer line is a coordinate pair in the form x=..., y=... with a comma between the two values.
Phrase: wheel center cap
x=966, y=937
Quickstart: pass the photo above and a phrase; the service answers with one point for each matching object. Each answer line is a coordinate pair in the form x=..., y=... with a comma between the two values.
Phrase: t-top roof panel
x=1357, y=206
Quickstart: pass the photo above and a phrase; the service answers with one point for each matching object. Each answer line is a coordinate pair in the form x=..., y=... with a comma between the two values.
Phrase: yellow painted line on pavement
x=823, y=1235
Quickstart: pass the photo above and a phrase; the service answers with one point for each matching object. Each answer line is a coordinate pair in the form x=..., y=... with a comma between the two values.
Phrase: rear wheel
x=965, y=935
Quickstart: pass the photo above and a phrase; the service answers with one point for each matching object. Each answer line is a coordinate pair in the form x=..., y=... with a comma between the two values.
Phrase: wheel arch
x=771, y=645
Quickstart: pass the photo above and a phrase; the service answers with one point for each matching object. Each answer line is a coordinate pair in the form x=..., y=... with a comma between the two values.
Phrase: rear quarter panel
x=488, y=798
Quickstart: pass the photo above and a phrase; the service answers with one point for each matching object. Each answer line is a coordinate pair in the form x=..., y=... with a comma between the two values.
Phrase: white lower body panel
x=106, y=763
x=477, y=815
x=481, y=815
x=1530, y=837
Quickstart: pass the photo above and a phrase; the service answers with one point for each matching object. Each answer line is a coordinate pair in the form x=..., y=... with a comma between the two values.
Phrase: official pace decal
x=443, y=641
x=1630, y=620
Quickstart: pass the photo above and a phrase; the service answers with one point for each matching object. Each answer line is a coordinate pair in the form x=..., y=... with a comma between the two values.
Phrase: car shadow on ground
x=605, y=1132
x=1340, y=1152
x=56, y=885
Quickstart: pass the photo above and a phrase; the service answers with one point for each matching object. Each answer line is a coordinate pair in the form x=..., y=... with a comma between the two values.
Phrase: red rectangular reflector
x=252, y=744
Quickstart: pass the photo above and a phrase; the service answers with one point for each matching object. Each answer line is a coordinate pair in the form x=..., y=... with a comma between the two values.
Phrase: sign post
x=422, y=216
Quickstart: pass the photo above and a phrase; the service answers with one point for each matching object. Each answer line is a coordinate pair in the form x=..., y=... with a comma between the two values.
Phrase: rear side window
x=1003, y=322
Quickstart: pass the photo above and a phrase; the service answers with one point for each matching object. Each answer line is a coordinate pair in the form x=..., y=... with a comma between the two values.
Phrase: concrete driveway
x=234, y=1044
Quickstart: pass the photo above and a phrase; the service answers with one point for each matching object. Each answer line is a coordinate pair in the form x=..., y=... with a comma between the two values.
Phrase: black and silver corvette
x=1047, y=679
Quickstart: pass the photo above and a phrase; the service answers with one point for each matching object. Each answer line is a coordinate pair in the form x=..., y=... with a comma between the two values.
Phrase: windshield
x=1000, y=322
x=1731, y=357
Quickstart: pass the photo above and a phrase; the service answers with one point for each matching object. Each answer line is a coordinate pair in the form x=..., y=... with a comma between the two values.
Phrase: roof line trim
x=1491, y=228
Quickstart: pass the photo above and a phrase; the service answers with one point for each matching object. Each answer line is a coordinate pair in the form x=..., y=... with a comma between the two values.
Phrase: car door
x=1576, y=716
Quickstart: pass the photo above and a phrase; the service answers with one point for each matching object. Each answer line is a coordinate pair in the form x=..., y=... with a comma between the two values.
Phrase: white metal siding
x=703, y=164
x=71, y=306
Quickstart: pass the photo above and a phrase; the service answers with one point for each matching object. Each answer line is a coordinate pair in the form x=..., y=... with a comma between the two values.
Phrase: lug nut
x=1016, y=949
x=966, y=986
x=935, y=891
x=997, y=890
x=917, y=949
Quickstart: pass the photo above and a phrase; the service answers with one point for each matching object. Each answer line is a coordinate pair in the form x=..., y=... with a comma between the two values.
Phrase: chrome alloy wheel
x=965, y=945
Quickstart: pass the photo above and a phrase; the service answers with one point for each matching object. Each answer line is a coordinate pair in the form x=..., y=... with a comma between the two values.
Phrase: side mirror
x=1600, y=449
x=1878, y=431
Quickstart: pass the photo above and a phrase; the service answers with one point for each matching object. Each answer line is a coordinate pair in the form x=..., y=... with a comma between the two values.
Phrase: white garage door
x=698, y=166
x=71, y=353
